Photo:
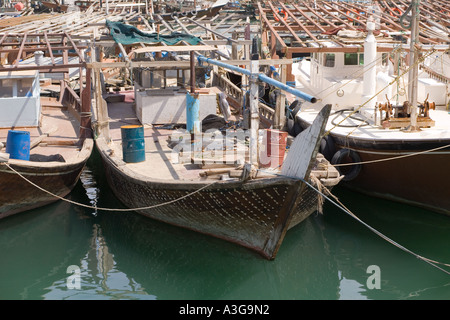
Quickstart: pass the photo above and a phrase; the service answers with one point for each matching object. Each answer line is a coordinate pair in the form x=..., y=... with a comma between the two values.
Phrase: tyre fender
x=327, y=147
x=354, y=170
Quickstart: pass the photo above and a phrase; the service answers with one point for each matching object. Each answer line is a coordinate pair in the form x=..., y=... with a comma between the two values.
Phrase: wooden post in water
x=85, y=122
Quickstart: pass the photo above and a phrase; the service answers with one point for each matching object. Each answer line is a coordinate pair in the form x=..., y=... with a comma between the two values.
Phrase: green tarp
x=126, y=34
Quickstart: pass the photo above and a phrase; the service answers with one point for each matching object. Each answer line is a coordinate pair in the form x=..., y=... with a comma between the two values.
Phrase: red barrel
x=274, y=142
x=19, y=6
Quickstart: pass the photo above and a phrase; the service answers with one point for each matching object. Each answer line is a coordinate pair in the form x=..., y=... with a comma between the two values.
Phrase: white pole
x=370, y=70
x=254, y=114
x=413, y=71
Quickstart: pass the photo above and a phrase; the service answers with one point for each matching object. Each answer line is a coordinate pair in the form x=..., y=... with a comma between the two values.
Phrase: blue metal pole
x=261, y=77
x=282, y=86
x=224, y=65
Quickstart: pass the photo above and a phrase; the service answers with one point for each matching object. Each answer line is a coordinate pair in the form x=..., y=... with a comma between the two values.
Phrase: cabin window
x=6, y=88
x=329, y=59
x=353, y=59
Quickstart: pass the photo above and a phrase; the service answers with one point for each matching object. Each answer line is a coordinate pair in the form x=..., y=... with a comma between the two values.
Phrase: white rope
x=388, y=159
x=108, y=209
x=343, y=208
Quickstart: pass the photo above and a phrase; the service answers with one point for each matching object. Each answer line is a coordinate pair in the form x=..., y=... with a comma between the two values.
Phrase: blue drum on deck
x=18, y=144
x=133, y=143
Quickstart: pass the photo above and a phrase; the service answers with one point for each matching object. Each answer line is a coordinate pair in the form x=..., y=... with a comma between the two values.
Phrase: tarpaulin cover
x=126, y=34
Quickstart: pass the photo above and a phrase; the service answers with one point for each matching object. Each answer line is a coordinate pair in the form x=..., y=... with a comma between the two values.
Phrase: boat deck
x=340, y=124
x=160, y=160
x=57, y=134
x=164, y=164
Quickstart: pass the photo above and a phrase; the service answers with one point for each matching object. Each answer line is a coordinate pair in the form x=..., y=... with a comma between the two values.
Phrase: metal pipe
x=282, y=86
x=261, y=77
x=224, y=65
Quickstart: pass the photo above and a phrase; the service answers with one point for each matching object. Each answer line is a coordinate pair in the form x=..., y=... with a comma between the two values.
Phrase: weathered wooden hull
x=59, y=178
x=255, y=214
x=422, y=179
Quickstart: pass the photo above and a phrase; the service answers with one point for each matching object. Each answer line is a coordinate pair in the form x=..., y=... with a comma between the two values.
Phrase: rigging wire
x=389, y=84
x=336, y=202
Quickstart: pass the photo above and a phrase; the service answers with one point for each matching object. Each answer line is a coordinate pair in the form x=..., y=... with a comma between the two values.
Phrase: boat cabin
x=20, y=99
x=342, y=74
x=161, y=93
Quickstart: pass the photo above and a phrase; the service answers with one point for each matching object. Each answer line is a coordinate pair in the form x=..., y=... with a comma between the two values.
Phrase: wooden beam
x=75, y=47
x=308, y=18
x=275, y=13
x=178, y=64
x=50, y=51
x=174, y=48
x=22, y=45
x=269, y=25
x=298, y=22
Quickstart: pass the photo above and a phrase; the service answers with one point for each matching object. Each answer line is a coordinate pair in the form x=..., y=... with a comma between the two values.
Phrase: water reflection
x=99, y=277
x=123, y=255
x=89, y=183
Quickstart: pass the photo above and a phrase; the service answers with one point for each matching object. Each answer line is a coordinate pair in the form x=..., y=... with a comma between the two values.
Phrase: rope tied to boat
x=109, y=209
x=341, y=206
x=321, y=190
x=388, y=159
x=325, y=193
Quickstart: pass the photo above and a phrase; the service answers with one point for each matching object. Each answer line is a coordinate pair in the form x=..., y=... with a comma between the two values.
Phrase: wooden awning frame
x=22, y=44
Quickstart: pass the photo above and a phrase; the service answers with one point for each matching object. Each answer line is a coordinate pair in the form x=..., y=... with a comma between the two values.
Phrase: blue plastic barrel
x=18, y=144
x=133, y=143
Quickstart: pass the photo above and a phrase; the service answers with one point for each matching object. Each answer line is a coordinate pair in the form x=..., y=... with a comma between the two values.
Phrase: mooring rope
x=317, y=181
x=109, y=209
x=434, y=263
x=347, y=211
x=389, y=159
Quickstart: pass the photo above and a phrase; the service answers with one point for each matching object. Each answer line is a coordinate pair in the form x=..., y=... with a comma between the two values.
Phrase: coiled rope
x=109, y=209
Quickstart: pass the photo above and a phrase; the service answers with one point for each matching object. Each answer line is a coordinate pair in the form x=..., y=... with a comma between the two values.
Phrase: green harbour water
x=67, y=252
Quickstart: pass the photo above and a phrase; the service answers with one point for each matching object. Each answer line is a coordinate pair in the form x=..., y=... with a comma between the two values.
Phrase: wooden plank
x=305, y=147
x=50, y=51
x=269, y=25
x=403, y=123
x=19, y=55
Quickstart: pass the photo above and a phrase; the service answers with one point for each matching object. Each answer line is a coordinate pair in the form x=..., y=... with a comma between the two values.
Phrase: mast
x=413, y=57
x=254, y=112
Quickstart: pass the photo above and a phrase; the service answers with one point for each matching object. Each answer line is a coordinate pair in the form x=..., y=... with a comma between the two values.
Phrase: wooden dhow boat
x=45, y=131
x=235, y=200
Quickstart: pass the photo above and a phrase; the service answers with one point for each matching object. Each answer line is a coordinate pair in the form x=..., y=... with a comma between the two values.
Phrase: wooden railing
x=266, y=113
x=435, y=75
